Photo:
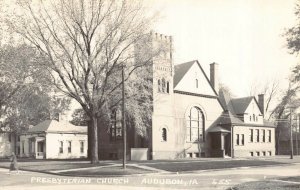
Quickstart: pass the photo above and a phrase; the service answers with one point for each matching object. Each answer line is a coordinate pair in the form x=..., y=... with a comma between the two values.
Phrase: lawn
x=270, y=184
x=107, y=171
x=50, y=165
x=207, y=165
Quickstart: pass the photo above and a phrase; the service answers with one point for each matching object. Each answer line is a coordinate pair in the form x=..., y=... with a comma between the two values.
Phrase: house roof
x=59, y=127
x=234, y=107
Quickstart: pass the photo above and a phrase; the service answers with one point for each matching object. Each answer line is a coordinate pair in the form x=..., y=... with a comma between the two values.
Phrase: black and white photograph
x=149, y=94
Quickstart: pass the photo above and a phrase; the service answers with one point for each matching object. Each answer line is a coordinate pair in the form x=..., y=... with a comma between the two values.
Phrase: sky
x=245, y=37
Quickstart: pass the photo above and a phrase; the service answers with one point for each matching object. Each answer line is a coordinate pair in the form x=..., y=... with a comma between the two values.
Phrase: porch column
x=222, y=144
x=35, y=147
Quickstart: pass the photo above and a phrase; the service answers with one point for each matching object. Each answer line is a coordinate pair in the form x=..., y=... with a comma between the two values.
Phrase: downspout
x=232, y=156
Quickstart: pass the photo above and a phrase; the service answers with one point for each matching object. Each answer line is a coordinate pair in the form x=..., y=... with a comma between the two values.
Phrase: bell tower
x=163, y=98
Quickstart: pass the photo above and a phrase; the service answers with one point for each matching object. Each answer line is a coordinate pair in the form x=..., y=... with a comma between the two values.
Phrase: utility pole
x=123, y=120
x=291, y=134
x=298, y=124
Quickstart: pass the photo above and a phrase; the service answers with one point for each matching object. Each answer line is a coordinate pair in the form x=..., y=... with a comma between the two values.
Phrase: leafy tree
x=87, y=44
x=79, y=118
x=24, y=89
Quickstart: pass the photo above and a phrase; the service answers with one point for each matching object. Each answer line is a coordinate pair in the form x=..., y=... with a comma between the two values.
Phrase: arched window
x=116, y=126
x=168, y=86
x=163, y=84
x=195, y=127
x=164, y=134
x=159, y=85
x=250, y=117
x=196, y=83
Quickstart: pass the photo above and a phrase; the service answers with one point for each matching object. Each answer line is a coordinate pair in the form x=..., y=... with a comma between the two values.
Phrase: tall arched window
x=159, y=85
x=163, y=84
x=196, y=83
x=195, y=126
x=164, y=134
x=116, y=126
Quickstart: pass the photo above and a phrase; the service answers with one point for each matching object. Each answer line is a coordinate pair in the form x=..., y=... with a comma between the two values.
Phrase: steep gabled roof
x=183, y=68
x=59, y=127
x=241, y=104
x=180, y=71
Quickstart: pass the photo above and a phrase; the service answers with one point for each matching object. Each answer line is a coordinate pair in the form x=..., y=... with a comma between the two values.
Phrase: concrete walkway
x=112, y=165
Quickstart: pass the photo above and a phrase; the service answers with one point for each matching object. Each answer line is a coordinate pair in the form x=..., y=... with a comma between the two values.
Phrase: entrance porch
x=220, y=142
x=37, y=148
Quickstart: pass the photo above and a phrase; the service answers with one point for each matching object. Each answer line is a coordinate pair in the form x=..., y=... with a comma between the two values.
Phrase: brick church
x=191, y=118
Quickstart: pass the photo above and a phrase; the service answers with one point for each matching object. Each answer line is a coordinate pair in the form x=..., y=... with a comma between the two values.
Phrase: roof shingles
x=59, y=127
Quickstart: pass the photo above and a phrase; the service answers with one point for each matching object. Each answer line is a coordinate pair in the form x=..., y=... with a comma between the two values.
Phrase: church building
x=191, y=118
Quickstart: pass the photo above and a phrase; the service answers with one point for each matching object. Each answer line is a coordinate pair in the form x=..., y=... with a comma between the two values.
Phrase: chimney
x=261, y=103
x=214, y=78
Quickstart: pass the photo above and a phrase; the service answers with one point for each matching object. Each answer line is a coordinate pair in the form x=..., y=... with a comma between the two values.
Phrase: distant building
x=284, y=142
x=7, y=144
x=52, y=139
x=190, y=119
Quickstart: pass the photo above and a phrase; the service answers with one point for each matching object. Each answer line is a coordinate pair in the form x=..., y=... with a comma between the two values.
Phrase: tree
x=293, y=34
x=270, y=89
x=87, y=44
x=24, y=89
x=79, y=117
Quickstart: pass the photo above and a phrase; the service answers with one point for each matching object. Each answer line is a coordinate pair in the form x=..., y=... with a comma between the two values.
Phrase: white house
x=53, y=139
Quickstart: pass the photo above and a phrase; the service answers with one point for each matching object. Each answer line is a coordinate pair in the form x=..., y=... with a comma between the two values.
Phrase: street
x=219, y=179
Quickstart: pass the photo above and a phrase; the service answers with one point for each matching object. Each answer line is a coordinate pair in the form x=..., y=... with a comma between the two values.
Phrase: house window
x=257, y=135
x=61, y=147
x=159, y=86
x=197, y=83
x=257, y=153
x=164, y=134
x=116, y=125
x=163, y=84
x=242, y=139
x=237, y=139
x=251, y=135
x=251, y=154
x=269, y=131
x=270, y=153
x=69, y=146
x=264, y=135
x=253, y=117
x=168, y=87
x=189, y=155
x=264, y=153
x=81, y=146
x=195, y=127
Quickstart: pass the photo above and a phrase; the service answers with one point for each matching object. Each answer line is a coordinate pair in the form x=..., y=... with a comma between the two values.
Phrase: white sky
x=243, y=36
